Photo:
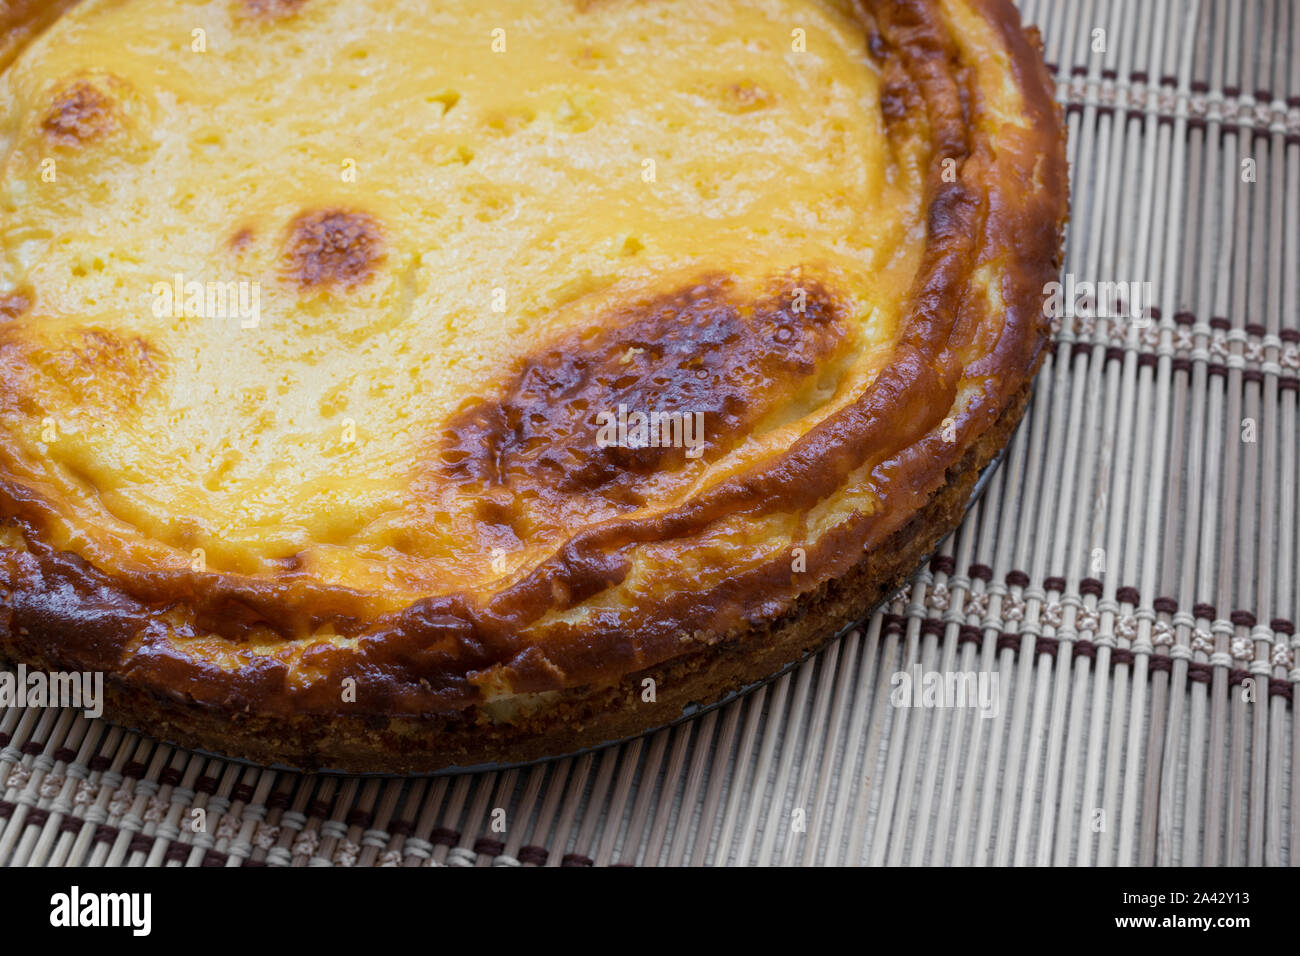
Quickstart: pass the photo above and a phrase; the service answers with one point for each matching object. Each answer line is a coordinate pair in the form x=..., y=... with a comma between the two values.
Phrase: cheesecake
x=405, y=385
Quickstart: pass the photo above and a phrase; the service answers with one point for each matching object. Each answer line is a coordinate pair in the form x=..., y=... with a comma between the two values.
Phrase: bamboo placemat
x=1130, y=577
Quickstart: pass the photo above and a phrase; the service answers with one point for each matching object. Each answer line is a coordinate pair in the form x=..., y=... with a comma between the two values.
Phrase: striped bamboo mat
x=1130, y=577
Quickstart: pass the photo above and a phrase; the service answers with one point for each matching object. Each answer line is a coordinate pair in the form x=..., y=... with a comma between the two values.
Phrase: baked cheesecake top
x=477, y=349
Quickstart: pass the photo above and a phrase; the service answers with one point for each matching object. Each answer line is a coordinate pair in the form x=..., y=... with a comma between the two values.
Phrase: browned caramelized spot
x=899, y=95
x=270, y=9
x=15, y=304
x=241, y=240
x=80, y=114
x=694, y=351
x=876, y=45
x=333, y=247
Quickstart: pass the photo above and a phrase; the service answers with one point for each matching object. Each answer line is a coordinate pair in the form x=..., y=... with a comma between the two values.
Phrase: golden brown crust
x=421, y=672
